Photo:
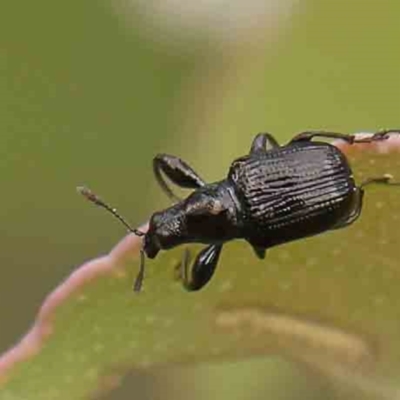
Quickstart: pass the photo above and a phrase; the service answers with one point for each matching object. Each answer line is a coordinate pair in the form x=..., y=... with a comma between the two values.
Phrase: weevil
x=273, y=195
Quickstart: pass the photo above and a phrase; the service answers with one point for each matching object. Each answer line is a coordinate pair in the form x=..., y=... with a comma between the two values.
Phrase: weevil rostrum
x=273, y=195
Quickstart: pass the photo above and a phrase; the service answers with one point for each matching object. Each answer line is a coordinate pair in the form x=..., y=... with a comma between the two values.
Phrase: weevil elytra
x=273, y=195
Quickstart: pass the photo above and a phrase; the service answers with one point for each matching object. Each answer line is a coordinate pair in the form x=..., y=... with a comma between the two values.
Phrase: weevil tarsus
x=386, y=179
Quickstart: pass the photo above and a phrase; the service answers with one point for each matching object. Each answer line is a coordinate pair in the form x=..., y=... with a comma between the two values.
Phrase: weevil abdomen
x=292, y=191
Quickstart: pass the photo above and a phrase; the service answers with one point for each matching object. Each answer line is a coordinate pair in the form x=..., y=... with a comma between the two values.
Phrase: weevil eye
x=155, y=219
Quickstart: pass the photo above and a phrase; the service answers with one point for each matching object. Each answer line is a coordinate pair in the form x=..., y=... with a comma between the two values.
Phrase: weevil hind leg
x=178, y=172
x=356, y=209
x=263, y=142
x=203, y=267
x=351, y=139
x=309, y=135
x=386, y=179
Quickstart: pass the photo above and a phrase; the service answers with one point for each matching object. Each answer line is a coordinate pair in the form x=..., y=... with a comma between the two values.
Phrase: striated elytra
x=273, y=195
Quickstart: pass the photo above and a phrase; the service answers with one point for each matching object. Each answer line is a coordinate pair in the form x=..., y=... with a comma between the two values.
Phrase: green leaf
x=329, y=302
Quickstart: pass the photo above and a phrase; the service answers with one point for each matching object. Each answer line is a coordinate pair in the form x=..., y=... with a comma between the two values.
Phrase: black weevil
x=273, y=195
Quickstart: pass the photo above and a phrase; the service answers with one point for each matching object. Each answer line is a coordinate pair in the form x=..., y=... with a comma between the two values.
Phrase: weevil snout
x=151, y=245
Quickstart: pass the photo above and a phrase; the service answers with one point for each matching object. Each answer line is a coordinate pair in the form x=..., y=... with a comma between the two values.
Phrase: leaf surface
x=330, y=302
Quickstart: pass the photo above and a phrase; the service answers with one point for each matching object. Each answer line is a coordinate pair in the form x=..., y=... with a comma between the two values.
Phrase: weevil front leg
x=203, y=267
x=179, y=172
x=351, y=139
x=263, y=142
x=137, y=285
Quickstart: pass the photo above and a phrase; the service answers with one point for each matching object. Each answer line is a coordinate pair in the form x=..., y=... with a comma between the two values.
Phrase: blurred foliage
x=85, y=100
x=81, y=101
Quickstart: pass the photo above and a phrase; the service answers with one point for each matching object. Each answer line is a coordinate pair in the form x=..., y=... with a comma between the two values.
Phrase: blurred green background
x=91, y=91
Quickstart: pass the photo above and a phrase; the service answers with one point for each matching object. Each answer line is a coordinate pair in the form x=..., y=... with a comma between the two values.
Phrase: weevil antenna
x=89, y=195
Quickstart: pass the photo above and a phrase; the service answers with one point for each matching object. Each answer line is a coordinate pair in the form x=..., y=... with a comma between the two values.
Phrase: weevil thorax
x=208, y=215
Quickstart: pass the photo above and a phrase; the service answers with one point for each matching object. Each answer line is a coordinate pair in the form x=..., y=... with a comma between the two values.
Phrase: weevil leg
x=260, y=251
x=181, y=267
x=384, y=179
x=356, y=210
x=137, y=286
x=376, y=137
x=203, y=267
x=180, y=173
x=263, y=142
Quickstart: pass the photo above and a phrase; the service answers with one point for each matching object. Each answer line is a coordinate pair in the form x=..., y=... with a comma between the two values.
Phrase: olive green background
x=85, y=100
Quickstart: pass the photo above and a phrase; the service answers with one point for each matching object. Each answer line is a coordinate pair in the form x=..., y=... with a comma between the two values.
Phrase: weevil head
x=208, y=215
x=164, y=230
